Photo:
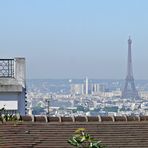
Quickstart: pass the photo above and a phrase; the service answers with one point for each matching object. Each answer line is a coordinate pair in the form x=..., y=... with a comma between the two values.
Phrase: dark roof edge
x=85, y=119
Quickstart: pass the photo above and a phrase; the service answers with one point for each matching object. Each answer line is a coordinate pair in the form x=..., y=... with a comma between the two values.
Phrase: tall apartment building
x=13, y=85
x=77, y=89
x=97, y=88
x=86, y=86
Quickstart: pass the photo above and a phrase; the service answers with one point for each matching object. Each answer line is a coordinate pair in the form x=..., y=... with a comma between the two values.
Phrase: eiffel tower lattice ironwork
x=129, y=90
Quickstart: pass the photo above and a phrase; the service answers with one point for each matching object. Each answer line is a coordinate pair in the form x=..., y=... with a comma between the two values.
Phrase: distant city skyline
x=75, y=39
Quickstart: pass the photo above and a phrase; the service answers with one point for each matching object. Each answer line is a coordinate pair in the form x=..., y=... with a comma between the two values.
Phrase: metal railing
x=6, y=68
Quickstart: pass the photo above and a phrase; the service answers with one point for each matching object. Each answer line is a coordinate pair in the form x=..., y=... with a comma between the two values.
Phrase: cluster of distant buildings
x=86, y=88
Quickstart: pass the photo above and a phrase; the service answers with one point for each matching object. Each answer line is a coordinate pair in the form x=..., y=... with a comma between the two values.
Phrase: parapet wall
x=84, y=119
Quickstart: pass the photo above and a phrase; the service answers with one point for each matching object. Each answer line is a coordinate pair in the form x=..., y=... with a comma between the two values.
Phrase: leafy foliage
x=37, y=110
x=8, y=117
x=81, y=139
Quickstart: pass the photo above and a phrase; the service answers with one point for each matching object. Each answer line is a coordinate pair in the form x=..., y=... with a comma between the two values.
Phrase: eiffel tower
x=129, y=90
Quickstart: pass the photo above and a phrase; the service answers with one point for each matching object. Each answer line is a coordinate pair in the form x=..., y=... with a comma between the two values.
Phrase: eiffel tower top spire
x=129, y=62
x=129, y=40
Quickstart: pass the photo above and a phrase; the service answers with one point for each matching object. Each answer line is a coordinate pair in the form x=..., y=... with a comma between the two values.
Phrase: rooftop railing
x=6, y=68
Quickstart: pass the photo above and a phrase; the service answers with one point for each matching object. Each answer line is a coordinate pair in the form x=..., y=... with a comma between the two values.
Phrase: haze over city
x=74, y=39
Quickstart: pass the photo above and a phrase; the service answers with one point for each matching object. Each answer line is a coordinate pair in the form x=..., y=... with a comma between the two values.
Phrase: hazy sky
x=75, y=38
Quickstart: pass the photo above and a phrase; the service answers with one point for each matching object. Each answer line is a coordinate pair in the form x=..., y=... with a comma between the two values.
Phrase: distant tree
x=74, y=110
x=96, y=109
x=111, y=109
x=80, y=108
x=37, y=110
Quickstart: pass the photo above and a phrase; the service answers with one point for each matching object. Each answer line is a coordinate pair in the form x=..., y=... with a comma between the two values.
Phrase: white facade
x=77, y=89
x=86, y=86
x=97, y=88
x=13, y=85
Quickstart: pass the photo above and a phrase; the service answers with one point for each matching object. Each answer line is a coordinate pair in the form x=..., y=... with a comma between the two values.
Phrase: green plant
x=81, y=139
x=9, y=117
x=2, y=110
x=4, y=117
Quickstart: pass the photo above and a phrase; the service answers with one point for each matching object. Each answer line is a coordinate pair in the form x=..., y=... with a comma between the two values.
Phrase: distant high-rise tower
x=86, y=86
x=129, y=90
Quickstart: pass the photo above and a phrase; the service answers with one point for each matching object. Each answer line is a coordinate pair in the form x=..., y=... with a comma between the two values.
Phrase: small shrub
x=81, y=139
x=4, y=117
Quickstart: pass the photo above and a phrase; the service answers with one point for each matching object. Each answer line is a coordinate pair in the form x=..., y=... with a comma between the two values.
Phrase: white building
x=13, y=85
x=86, y=86
x=97, y=88
x=77, y=89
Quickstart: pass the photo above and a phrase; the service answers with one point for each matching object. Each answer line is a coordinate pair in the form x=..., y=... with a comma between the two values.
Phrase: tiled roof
x=53, y=132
